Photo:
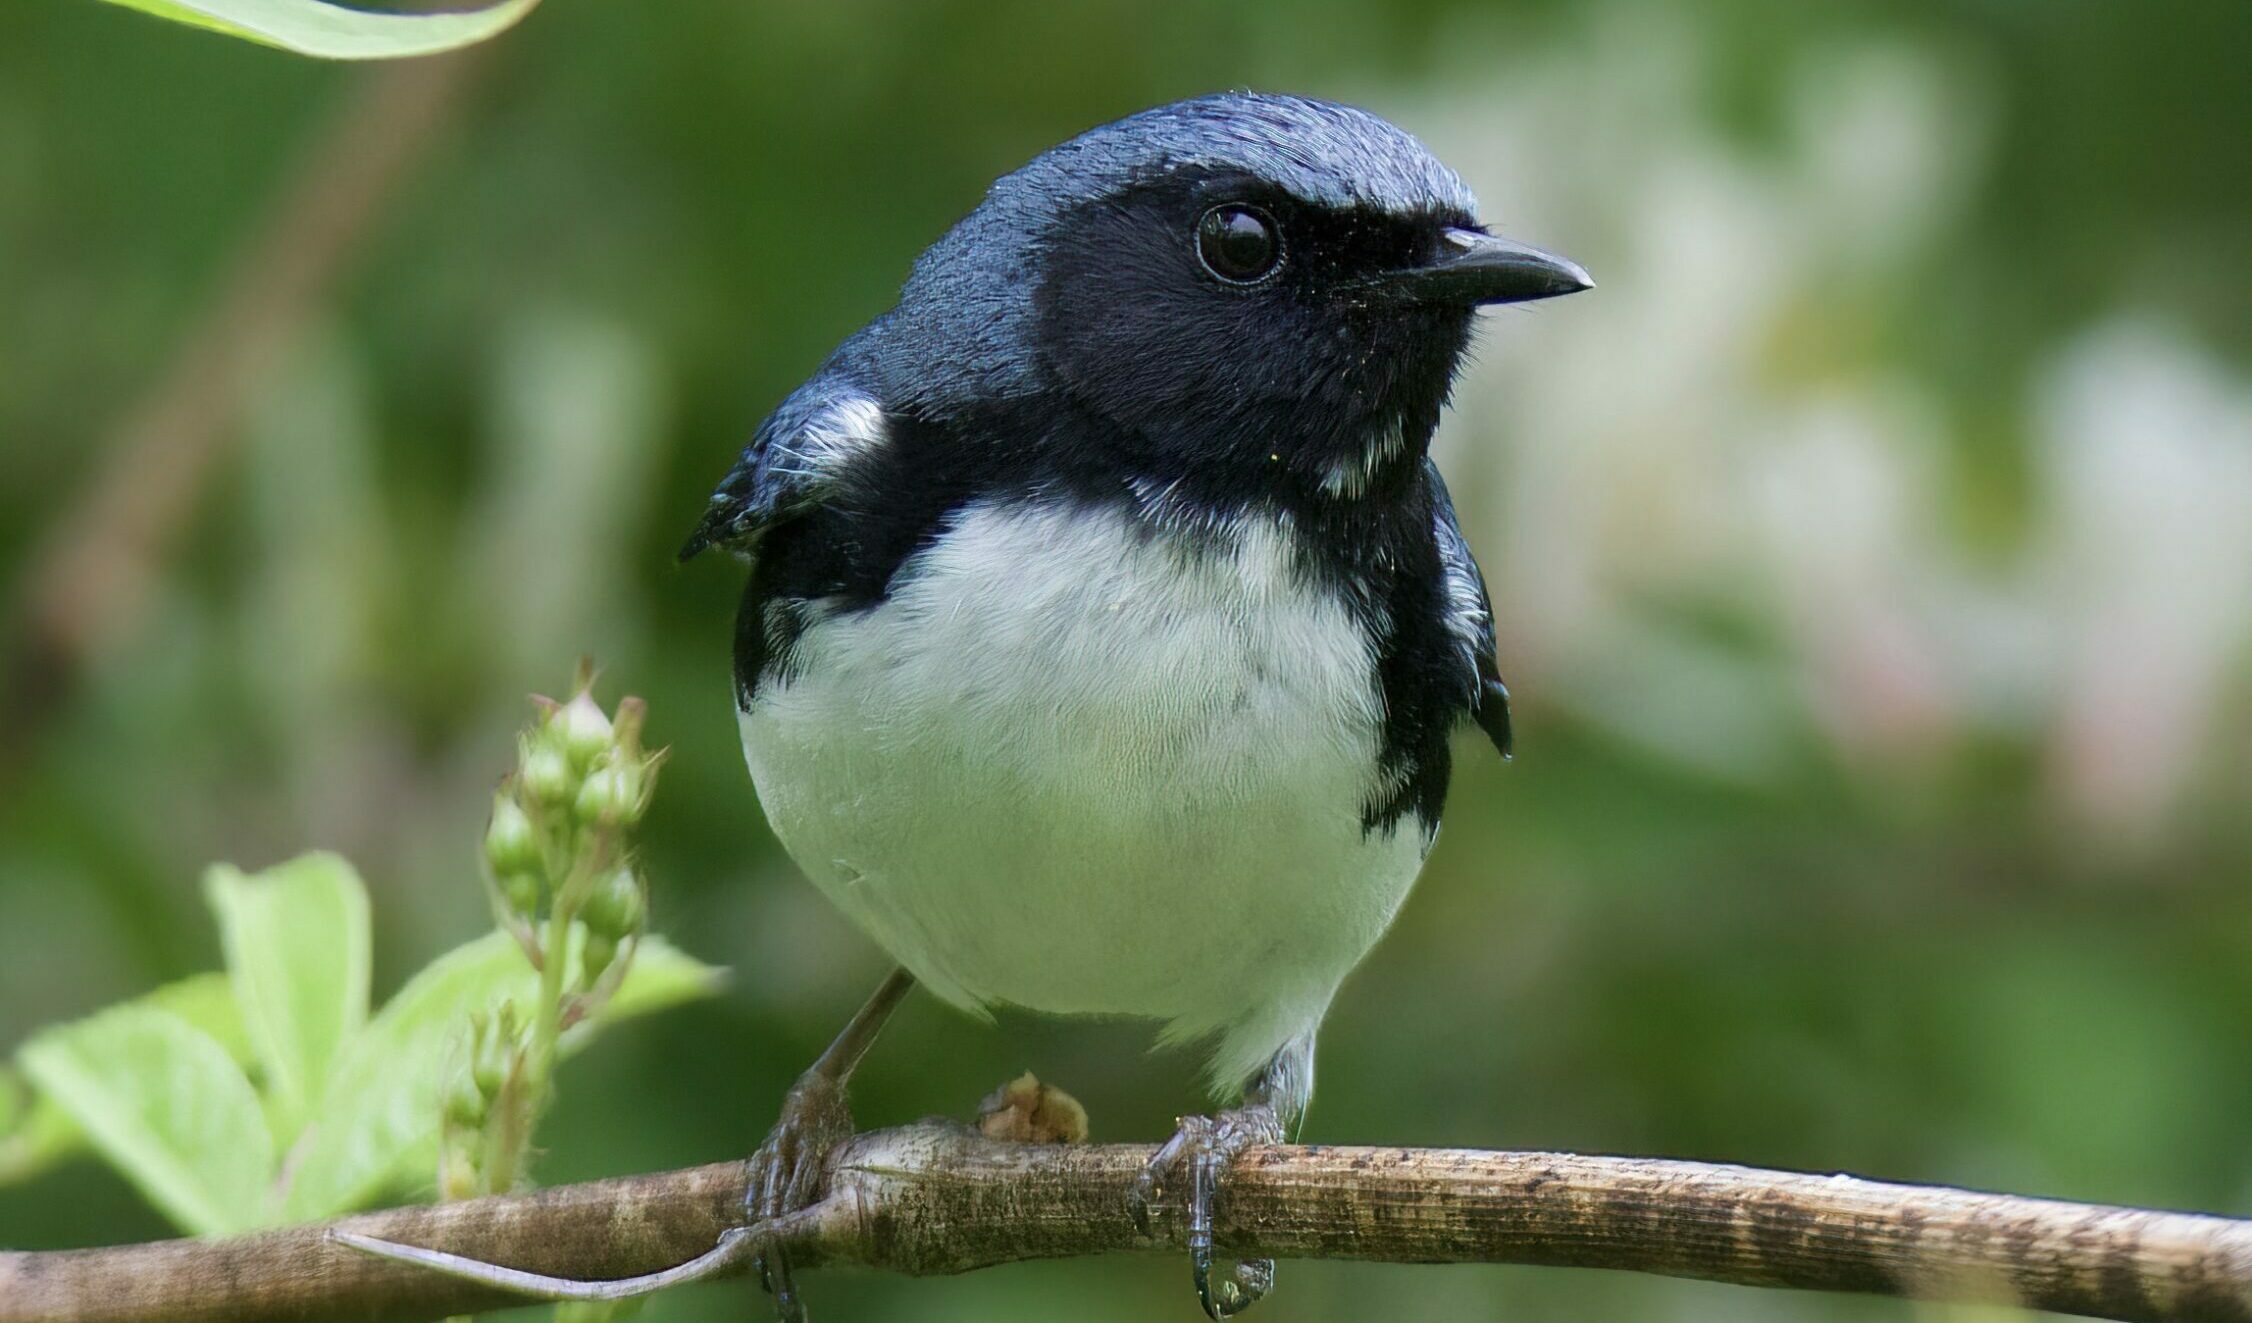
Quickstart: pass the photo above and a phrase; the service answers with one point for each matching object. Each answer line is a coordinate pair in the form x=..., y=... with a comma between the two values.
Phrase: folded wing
x=1470, y=618
x=803, y=453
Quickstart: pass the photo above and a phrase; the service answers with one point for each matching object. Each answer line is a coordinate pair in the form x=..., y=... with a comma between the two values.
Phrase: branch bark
x=936, y=1198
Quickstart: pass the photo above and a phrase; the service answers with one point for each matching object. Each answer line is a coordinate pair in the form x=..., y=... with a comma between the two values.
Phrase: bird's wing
x=798, y=457
x=1469, y=617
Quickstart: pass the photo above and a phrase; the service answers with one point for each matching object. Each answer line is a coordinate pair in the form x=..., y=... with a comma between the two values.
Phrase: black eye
x=1238, y=243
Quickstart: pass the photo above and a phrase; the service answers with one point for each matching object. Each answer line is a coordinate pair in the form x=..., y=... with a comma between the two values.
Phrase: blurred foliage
x=1870, y=552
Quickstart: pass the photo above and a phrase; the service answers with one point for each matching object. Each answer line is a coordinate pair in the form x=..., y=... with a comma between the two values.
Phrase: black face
x=1242, y=336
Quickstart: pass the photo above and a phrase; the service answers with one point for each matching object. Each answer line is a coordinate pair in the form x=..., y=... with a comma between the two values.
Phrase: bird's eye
x=1238, y=243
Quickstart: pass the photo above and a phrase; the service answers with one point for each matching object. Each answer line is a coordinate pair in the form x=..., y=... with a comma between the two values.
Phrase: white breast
x=1079, y=767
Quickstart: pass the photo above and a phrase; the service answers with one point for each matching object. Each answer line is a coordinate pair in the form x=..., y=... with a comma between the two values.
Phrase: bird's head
x=1248, y=289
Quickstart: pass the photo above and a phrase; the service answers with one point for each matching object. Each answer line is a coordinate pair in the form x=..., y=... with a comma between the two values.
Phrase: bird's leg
x=1273, y=1104
x=786, y=1171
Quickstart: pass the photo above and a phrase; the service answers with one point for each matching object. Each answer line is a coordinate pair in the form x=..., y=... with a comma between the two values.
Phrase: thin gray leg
x=786, y=1171
x=1273, y=1106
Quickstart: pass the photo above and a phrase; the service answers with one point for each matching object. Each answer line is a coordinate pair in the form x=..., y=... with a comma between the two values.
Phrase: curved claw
x=786, y=1175
x=774, y=1278
x=1149, y=1182
x=1248, y=1280
x=1206, y=1145
x=1245, y=1287
x=1138, y=1201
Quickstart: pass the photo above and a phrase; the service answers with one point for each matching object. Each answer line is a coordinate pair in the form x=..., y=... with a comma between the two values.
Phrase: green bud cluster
x=560, y=872
x=559, y=823
x=487, y=1087
x=496, y=1050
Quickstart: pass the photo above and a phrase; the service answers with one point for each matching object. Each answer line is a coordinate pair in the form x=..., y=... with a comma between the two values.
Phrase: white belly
x=1075, y=767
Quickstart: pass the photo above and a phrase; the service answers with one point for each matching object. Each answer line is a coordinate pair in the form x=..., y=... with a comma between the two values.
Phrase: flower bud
x=612, y=795
x=512, y=844
x=633, y=714
x=580, y=730
x=600, y=950
x=613, y=908
x=546, y=773
x=522, y=892
x=488, y=1065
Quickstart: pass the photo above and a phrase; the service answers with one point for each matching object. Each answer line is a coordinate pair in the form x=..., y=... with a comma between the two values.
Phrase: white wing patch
x=803, y=449
x=830, y=442
x=1468, y=619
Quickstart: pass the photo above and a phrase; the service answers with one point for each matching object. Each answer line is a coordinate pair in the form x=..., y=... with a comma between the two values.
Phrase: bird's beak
x=1475, y=268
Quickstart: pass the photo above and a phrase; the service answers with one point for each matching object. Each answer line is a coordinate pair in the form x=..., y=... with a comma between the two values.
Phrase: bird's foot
x=787, y=1171
x=1195, y=1157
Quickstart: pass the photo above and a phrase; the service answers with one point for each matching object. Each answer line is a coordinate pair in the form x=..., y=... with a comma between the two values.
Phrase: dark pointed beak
x=1475, y=268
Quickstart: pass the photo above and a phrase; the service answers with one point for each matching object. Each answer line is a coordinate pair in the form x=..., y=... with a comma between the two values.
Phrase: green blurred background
x=1871, y=555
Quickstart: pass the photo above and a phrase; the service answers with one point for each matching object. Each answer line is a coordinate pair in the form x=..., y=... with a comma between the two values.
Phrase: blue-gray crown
x=1322, y=152
x=965, y=303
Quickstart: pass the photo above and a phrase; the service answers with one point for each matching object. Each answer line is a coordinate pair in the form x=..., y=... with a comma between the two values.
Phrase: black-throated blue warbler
x=1107, y=620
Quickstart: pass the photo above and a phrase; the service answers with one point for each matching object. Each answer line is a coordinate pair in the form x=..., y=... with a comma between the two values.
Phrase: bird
x=1107, y=621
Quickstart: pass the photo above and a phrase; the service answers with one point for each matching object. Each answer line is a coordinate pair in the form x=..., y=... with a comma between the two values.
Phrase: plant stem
x=547, y=1017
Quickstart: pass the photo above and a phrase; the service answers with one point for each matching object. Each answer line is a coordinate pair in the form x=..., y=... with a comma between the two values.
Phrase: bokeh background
x=1872, y=554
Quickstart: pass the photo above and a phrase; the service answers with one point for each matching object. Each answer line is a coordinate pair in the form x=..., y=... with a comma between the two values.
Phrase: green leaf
x=165, y=1105
x=377, y=1124
x=313, y=27
x=206, y=1001
x=296, y=938
x=179, y=13
x=663, y=976
x=41, y=1135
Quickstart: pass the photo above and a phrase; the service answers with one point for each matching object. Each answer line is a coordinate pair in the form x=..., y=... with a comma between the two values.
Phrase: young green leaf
x=206, y=1001
x=167, y=1107
x=314, y=27
x=296, y=939
x=663, y=976
x=377, y=1123
x=41, y=1135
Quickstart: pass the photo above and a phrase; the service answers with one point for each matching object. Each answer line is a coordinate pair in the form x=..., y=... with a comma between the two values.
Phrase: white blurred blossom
x=2144, y=571
x=1717, y=433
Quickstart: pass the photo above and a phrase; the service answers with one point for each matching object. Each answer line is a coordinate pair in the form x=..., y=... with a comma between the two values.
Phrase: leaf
x=164, y=1104
x=663, y=976
x=179, y=13
x=206, y=1001
x=314, y=27
x=377, y=1124
x=296, y=938
x=42, y=1135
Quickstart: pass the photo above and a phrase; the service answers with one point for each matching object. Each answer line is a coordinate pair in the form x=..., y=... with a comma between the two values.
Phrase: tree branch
x=936, y=1198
